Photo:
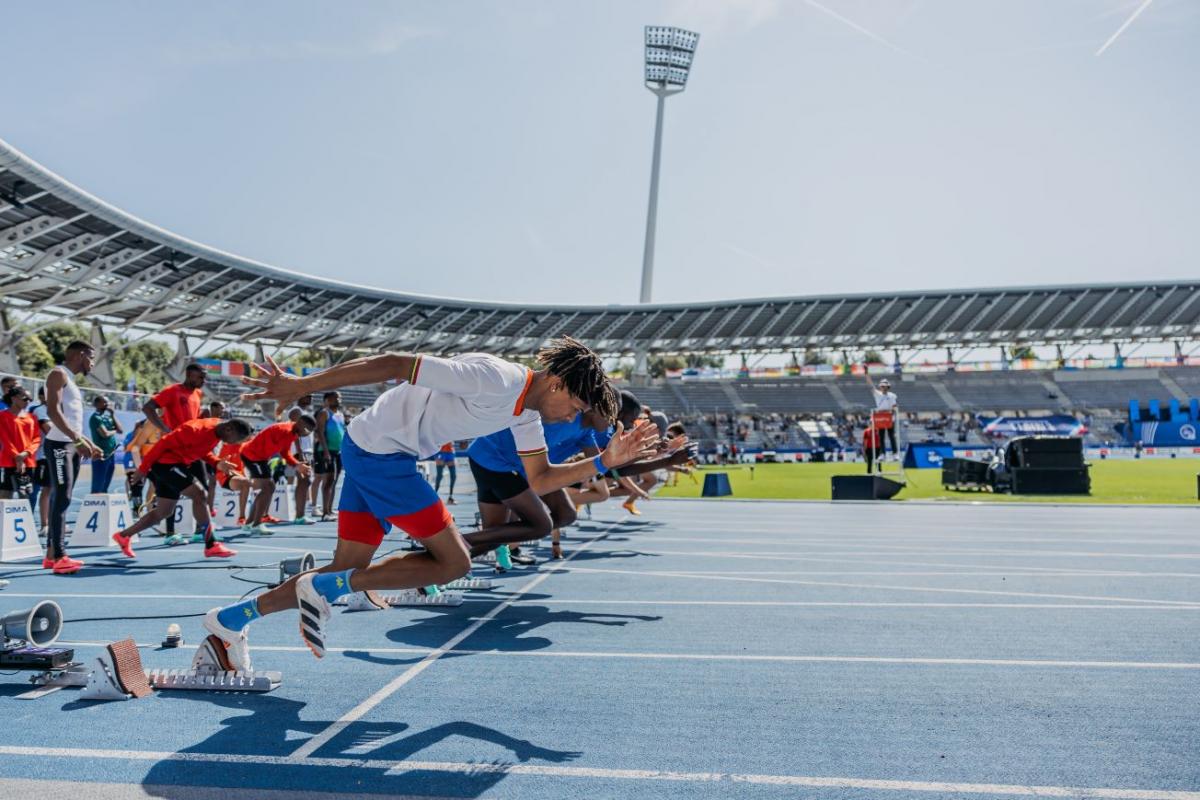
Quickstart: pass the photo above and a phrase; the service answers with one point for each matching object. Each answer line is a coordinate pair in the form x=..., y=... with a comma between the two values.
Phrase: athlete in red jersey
x=274, y=440
x=176, y=467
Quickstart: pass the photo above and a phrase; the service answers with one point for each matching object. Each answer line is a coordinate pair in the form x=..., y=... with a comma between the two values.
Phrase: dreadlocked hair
x=582, y=374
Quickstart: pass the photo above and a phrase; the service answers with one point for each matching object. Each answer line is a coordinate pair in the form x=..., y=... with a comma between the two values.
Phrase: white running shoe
x=314, y=613
x=366, y=601
x=237, y=645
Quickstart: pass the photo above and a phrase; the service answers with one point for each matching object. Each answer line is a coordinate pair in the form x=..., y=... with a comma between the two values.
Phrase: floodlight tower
x=669, y=55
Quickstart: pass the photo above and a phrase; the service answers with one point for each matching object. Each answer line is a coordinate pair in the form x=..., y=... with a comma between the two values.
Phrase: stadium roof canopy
x=65, y=253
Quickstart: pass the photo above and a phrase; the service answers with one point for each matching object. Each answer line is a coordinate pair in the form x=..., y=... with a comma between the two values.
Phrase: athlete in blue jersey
x=504, y=490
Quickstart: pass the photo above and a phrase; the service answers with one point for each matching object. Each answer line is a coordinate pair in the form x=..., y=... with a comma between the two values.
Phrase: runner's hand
x=276, y=384
x=640, y=441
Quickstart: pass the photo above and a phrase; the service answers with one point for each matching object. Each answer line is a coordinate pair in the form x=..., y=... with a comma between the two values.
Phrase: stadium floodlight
x=669, y=56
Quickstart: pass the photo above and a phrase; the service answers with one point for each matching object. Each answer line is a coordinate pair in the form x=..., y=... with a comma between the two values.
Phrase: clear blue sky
x=501, y=150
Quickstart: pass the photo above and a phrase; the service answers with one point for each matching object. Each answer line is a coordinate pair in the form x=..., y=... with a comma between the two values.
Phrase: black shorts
x=257, y=469
x=41, y=473
x=16, y=482
x=170, y=480
x=326, y=461
x=496, y=487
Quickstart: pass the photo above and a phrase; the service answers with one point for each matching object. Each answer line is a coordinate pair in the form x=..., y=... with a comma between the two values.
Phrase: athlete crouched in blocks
x=438, y=400
x=176, y=467
x=274, y=440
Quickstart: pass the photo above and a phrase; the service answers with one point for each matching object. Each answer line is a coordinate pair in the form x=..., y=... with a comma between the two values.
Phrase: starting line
x=555, y=771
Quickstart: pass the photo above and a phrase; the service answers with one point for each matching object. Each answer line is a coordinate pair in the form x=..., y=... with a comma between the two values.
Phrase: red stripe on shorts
x=360, y=526
x=431, y=520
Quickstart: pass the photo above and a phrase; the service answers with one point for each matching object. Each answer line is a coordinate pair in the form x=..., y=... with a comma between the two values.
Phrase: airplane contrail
x=861, y=29
x=1145, y=4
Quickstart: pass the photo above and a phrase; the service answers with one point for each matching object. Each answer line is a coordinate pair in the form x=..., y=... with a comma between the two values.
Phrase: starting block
x=360, y=601
x=117, y=674
x=100, y=517
x=228, y=507
x=487, y=558
x=18, y=531
x=185, y=523
x=466, y=584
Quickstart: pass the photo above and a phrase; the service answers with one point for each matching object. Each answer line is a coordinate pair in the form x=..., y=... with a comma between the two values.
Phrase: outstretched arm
x=278, y=385
x=626, y=445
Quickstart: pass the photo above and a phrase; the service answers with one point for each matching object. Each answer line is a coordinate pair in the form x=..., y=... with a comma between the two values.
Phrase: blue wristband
x=598, y=462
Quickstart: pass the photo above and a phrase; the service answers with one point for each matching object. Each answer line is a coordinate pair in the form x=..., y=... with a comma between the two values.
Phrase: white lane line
x=394, y=685
x=899, y=551
x=1015, y=572
x=124, y=596
x=861, y=541
x=746, y=657
x=890, y=587
x=559, y=771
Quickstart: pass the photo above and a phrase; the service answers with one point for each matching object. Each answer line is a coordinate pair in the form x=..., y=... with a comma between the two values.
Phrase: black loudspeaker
x=964, y=472
x=864, y=487
x=1038, y=480
x=1045, y=452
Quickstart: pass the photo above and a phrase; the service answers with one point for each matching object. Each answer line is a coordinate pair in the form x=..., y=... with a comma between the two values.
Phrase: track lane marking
x=324, y=737
x=889, y=587
x=559, y=771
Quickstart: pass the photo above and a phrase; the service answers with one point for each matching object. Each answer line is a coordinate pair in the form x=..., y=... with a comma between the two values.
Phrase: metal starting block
x=463, y=584
x=487, y=558
x=360, y=601
x=117, y=674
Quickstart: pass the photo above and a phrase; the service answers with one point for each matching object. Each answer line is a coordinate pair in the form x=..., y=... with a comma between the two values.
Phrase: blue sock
x=239, y=615
x=332, y=585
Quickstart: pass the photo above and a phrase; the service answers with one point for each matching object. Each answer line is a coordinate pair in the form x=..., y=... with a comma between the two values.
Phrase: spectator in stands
x=104, y=427
x=20, y=437
x=886, y=400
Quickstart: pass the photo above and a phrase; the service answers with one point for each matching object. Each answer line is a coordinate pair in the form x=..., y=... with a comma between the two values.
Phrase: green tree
x=56, y=337
x=146, y=362
x=700, y=360
x=33, y=357
x=872, y=357
x=231, y=354
x=308, y=357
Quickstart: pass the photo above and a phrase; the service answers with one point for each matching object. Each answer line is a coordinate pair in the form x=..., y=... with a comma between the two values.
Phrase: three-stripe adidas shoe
x=314, y=613
x=237, y=645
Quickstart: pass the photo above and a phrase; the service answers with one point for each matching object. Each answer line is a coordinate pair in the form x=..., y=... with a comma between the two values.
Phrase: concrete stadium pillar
x=8, y=346
x=102, y=372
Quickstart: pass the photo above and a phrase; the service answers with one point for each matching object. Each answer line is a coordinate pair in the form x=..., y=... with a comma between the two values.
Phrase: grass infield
x=1166, y=480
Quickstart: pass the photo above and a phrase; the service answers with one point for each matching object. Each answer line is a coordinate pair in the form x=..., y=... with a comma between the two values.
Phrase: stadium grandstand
x=68, y=255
